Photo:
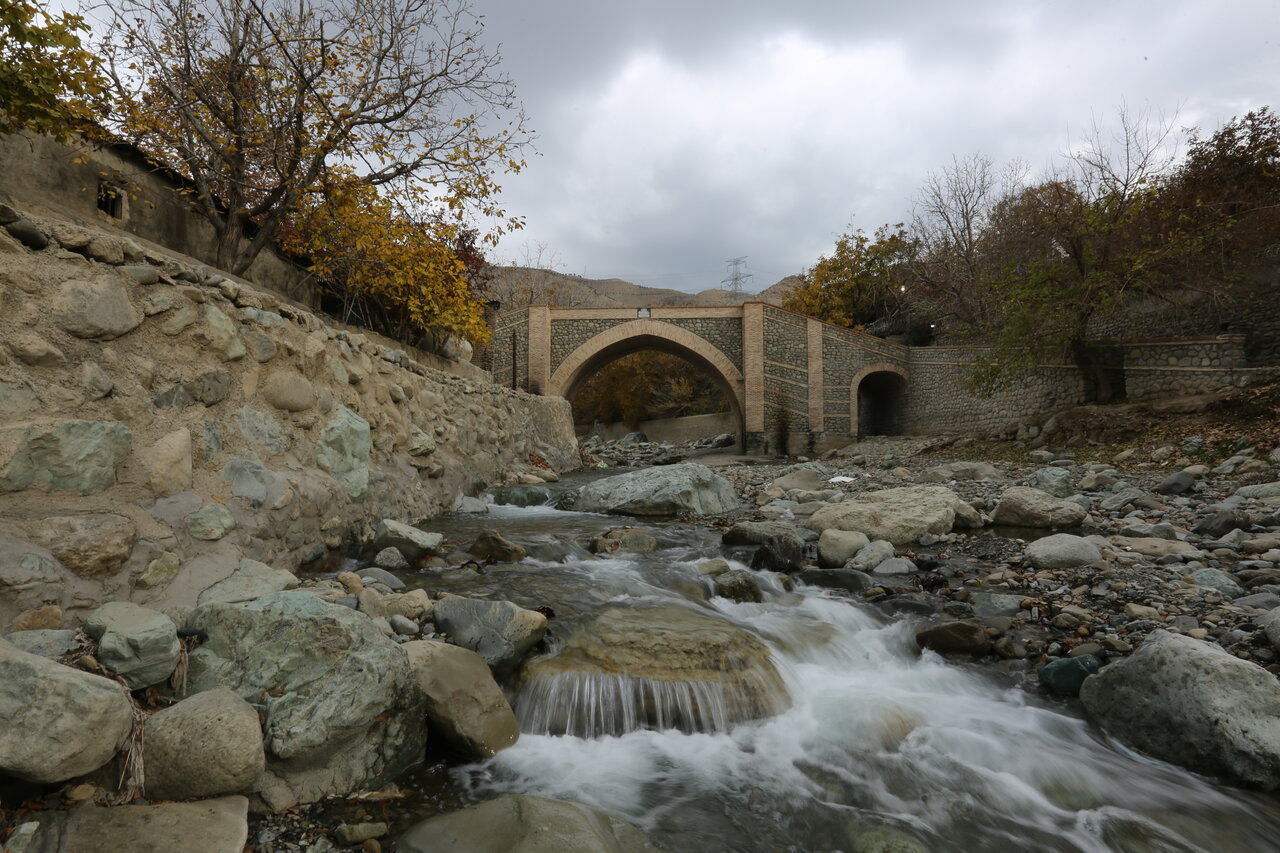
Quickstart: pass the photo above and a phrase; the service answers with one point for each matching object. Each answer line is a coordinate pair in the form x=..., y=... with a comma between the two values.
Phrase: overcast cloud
x=674, y=135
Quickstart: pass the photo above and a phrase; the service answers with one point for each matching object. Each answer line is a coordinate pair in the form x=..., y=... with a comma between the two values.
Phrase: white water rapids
x=881, y=746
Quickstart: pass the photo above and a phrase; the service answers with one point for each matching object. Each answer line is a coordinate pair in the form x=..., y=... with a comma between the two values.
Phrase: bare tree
x=535, y=278
x=950, y=218
x=253, y=100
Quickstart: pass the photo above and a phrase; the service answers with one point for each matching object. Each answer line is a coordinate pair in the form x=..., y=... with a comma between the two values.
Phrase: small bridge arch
x=878, y=400
x=637, y=335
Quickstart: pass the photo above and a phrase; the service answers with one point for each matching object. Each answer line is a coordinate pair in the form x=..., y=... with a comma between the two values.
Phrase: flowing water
x=873, y=746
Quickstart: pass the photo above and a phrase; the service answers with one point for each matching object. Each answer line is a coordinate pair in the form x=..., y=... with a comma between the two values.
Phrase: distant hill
x=517, y=287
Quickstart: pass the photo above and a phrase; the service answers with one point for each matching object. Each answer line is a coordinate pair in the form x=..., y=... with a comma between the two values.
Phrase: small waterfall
x=592, y=704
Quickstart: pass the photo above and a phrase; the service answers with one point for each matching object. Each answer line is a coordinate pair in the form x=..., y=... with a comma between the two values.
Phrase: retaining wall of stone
x=159, y=423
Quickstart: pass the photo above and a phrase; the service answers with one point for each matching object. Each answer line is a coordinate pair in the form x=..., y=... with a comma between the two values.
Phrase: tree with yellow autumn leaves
x=49, y=82
x=362, y=133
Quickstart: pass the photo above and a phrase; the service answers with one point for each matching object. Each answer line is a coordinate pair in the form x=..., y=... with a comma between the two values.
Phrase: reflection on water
x=880, y=749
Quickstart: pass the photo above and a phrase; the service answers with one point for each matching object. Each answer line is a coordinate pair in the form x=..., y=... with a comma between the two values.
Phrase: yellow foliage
x=393, y=270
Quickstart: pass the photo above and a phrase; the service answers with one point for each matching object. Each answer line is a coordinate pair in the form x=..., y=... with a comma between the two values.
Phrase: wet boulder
x=500, y=632
x=1192, y=703
x=738, y=585
x=665, y=491
x=660, y=666
x=464, y=704
x=342, y=708
x=519, y=823
x=492, y=545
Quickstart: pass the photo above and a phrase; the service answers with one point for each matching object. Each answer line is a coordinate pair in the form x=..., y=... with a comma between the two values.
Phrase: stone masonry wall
x=510, y=346
x=786, y=378
x=159, y=423
x=724, y=333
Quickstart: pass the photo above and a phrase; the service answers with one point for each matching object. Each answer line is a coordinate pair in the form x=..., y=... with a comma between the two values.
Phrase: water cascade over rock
x=665, y=667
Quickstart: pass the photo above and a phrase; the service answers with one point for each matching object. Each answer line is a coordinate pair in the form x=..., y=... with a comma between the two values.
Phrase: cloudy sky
x=675, y=135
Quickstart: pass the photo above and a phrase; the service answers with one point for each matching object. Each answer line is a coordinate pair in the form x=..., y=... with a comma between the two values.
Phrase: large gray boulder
x=1022, y=506
x=961, y=471
x=837, y=547
x=408, y=540
x=98, y=309
x=663, y=491
x=1192, y=703
x=1062, y=551
x=59, y=722
x=343, y=710
x=209, y=826
x=207, y=745
x=465, y=705
x=500, y=632
x=1054, y=481
x=900, y=516
x=519, y=823
x=136, y=643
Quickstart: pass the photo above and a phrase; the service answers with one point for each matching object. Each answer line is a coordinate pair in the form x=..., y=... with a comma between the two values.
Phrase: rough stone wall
x=511, y=341
x=1171, y=368
x=845, y=353
x=158, y=424
x=568, y=335
x=786, y=376
x=941, y=402
x=724, y=333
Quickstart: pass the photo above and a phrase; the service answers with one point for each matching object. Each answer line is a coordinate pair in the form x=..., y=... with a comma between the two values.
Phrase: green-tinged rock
x=260, y=428
x=343, y=451
x=662, y=491
x=76, y=456
x=210, y=522
x=1192, y=703
x=136, y=643
x=251, y=581
x=501, y=632
x=518, y=823
x=1065, y=675
x=343, y=710
x=160, y=571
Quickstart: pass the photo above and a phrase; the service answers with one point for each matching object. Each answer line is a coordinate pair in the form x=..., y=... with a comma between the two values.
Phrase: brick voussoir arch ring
x=683, y=342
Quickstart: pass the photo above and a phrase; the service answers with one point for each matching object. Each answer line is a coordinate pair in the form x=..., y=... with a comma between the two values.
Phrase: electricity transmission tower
x=736, y=277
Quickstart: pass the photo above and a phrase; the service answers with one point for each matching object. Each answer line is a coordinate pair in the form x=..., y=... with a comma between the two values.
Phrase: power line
x=736, y=277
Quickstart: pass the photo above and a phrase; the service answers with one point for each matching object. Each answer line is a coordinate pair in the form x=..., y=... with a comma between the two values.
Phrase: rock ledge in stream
x=665, y=491
x=518, y=823
x=1189, y=702
x=652, y=667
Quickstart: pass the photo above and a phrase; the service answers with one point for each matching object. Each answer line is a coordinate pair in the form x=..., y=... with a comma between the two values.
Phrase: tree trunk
x=1091, y=360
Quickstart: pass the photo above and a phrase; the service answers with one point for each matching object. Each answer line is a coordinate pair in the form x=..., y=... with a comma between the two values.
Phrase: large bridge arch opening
x=640, y=335
x=878, y=400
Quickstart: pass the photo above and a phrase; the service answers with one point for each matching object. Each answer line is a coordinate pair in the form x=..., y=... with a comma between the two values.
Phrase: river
x=880, y=748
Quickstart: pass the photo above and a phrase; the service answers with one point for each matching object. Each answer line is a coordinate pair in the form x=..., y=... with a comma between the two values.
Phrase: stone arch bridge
x=795, y=383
